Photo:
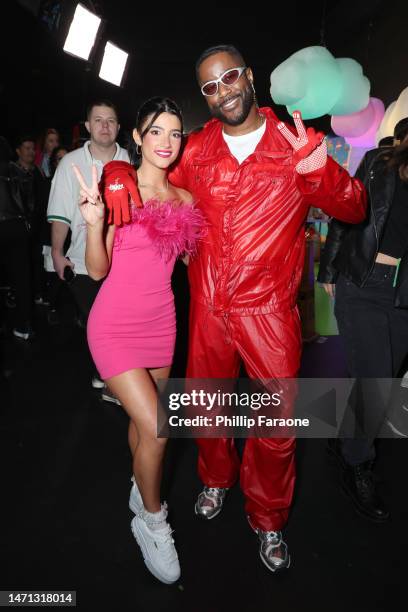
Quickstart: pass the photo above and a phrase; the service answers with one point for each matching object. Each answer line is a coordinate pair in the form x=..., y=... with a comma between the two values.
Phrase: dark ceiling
x=40, y=85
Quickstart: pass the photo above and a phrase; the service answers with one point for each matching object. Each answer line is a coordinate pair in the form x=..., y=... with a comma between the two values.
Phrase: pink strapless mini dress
x=132, y=323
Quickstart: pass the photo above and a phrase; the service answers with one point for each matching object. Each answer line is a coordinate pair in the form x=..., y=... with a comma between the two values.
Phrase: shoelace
x=213, y=491
x=272, y=537
x=163, y=537
x=211, y=494
x=165, y=543
x=273, y=545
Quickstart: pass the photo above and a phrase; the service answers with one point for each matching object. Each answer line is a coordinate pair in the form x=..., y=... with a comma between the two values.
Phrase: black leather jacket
x=351, y=249
x=11, y=200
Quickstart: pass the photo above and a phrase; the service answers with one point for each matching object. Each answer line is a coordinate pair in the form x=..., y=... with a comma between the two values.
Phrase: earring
x=254, y=92
x=138, y=150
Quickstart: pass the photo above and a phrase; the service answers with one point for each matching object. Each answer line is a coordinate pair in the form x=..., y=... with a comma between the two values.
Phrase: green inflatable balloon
x=316, y=83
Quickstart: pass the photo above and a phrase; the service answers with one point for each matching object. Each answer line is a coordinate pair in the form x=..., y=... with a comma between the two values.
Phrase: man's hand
x=60, y=262
x=119, y=185
x=310, y=148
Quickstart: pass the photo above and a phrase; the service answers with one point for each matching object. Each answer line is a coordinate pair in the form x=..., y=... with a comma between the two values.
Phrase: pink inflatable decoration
x=354, y=124
x=359, y=129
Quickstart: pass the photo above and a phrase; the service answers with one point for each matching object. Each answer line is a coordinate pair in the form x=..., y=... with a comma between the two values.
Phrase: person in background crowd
x=55, y=158
x=387, y=141
x=14, y=242
x=48, y=142
x=34, y=190
x=64, y=214
x=54, y=282
x=365, y=266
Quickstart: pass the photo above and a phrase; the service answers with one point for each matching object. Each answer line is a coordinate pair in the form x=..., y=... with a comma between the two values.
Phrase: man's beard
x=247, y=97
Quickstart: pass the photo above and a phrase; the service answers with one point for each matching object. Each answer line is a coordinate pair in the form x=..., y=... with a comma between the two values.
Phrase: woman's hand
x=90, y=202
x=119, y=188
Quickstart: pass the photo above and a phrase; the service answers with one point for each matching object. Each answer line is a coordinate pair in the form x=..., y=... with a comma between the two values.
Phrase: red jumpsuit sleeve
x=177, y=174
x=335, y=192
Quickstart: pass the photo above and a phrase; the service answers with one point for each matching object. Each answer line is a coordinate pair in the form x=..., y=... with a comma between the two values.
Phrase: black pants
x=54, y=287
x=375, y=337
x=15, y=257
x=37, y=260
x=85, y=290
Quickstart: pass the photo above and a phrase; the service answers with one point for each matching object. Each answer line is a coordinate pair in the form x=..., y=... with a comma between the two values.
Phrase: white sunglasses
x=229, y=77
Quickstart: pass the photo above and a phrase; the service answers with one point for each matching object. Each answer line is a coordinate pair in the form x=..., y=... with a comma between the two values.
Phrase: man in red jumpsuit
x=254, y=180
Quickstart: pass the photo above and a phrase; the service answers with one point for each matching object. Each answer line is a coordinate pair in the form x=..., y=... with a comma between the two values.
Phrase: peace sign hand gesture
x=90, y=202
x=310, y=148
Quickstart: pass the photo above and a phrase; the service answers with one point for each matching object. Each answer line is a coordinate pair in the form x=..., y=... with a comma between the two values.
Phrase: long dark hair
x=397, y=158
x=53, y=158
x=152, y=107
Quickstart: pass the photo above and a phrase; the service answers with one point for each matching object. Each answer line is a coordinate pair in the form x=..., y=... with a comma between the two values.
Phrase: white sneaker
x=135, y=499
x=97, y=383
x=26, y=334
x=108, y=396
x=157, y=545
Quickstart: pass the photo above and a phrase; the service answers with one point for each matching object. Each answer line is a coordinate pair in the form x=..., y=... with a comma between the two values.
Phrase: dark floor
x=65, y=520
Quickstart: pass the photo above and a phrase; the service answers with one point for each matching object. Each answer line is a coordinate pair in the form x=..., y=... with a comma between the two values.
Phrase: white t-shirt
x=63, y=201
x=243, y=146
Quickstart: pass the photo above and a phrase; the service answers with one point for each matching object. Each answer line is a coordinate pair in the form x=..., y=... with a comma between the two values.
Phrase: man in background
x=63, y=210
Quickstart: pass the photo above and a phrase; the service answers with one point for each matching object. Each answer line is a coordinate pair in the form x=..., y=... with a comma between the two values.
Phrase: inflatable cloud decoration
x=396, y=111
x=314, y=82
x=359, y=129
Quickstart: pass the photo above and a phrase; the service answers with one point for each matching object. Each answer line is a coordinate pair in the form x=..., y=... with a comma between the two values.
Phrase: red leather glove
x=118, y=182
x=310, y=154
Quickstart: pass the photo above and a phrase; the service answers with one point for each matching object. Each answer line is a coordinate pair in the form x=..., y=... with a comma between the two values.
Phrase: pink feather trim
x=174, y=227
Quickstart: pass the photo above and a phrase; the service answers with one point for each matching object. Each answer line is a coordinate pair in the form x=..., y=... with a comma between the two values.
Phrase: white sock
x=155, y=520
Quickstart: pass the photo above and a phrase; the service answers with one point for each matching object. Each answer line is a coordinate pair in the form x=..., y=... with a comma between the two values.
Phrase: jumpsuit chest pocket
x=211, y=179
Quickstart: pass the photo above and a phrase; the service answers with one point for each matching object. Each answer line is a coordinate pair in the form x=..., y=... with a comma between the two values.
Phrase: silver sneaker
x=397, y=422
x=209, y=502
x=135, y=499
x=273, y=550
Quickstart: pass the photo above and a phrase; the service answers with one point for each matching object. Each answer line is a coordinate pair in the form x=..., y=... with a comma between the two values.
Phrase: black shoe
x=24, y=334
x=10, y=299
x=359, y=485
x=41, y=300
x=53, y=317
x=334, y=450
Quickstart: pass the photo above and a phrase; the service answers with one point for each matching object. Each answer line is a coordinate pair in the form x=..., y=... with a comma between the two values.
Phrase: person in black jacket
x=14, y=241
x=35, y=190
x=366, y=267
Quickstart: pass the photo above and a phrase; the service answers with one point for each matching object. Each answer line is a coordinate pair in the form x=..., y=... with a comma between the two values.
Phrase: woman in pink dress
x=132, y=325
